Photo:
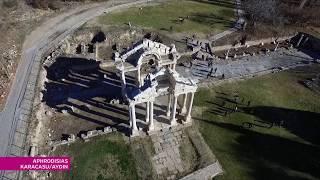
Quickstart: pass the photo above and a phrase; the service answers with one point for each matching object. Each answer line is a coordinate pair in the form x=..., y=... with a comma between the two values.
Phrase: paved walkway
x=206, y=173
x=238, y=14
x=245, y=66
x=167, y=160
x=15, y=116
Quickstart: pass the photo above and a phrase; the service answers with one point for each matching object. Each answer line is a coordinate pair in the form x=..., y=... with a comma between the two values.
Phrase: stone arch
x=149, y=53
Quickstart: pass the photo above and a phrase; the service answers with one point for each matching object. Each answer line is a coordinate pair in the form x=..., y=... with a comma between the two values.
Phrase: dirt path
x=238, y=14
x=14, y=118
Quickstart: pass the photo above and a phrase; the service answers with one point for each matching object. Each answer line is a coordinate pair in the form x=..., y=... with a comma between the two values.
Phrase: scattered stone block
x=48, y=113
x=33, y=151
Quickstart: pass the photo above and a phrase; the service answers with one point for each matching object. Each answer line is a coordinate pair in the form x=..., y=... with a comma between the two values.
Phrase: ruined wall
x=251, y=43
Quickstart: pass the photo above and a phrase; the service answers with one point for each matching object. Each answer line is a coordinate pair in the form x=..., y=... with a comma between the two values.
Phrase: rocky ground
x=78, y=94
x=249, y=65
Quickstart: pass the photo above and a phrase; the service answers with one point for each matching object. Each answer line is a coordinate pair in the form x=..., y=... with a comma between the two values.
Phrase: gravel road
x=15, y=115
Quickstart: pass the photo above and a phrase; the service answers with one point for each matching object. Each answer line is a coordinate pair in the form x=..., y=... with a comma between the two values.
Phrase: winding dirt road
x=19, y=103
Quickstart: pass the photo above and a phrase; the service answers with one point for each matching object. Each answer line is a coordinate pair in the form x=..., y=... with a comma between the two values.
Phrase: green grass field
x=204, y=16
x=106, y=157
x=276, y=137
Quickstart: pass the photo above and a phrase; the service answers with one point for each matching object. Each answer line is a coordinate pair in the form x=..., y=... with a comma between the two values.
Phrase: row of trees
x=304, y=2
x=277, y=12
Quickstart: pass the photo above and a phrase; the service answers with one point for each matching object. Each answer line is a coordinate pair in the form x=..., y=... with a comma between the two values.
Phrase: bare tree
x=5, y=69
x=302, y=3
x=262, y=10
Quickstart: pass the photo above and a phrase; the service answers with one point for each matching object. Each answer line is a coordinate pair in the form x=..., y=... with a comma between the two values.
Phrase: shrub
x=266, y=11
x=54, y=4
x=9, y=3
x=40, y=4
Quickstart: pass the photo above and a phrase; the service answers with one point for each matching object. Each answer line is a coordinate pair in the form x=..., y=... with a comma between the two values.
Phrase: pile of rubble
x=89, y=134
x=85, y=136
x=202, y=49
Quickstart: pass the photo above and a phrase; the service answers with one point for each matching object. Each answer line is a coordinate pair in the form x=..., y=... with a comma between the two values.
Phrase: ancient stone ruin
x=161, y=79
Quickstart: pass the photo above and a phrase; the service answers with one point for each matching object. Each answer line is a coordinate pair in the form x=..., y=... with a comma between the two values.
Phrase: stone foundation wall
x=251, y=43
x=84, y=136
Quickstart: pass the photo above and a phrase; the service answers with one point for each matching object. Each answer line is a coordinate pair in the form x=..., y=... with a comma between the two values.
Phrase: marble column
x=134, y=120
x=174, y=66
x=139, y=77
x=227, y=55
x=184, y=105
x=174, y=110
x=188, y=117
x=68, y=49
x=97, y=51
x=301, y=37
x=151, y=124
x=83, y=48
x=123, y=77
x=130, y=116
x=147, y=112
x=275, y=49
x=169, y=105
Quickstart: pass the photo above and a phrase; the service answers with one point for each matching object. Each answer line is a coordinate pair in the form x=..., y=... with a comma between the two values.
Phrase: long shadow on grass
x=307, y=47
x=270, y=157
x=304, y=124
x=211, y=19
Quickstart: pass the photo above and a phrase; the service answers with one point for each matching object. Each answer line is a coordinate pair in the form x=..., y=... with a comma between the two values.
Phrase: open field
x=199, y=17
x=106, y=157
x=274, y=134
